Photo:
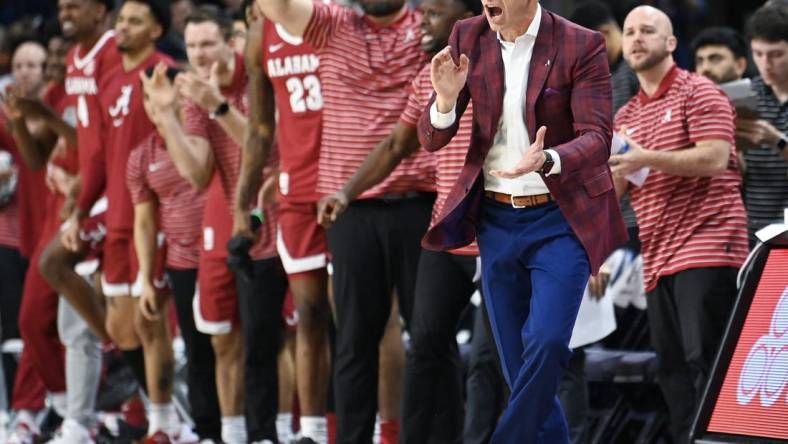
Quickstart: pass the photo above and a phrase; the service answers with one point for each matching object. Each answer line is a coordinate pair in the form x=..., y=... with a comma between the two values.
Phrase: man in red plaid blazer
x=545, y=218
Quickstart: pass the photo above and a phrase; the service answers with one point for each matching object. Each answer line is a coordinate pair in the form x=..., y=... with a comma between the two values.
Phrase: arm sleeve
x=417, y=99
x=592, y=111
x=710, y=114
x=135, y=175
x=195, y=120
x=442, y=120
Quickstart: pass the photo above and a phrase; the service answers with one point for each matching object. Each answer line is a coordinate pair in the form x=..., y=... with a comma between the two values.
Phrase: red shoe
x=183, y=436
x=158, y=438
x=133, y=412
x=389, y=431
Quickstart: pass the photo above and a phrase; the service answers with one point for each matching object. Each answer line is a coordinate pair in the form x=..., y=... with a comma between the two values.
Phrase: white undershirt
x=511, y=139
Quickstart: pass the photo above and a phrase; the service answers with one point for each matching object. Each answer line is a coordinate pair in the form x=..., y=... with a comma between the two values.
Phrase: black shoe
x=303, y=440
x=118, y=386
x=127, y=434
x=49, y=426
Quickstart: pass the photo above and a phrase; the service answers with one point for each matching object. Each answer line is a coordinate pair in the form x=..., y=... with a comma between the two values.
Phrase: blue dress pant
x=534, y=272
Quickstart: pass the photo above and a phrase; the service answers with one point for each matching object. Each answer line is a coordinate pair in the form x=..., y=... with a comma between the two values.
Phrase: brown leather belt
x=519, y=201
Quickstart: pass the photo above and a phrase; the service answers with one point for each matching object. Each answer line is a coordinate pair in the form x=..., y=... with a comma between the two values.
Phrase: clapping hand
x=158, y=91
x=205, y=93
x=532, y=160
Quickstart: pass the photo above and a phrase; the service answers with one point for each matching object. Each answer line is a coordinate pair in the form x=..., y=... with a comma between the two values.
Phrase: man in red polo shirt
x=367, y=60
x=433, y=390
x=692, y=222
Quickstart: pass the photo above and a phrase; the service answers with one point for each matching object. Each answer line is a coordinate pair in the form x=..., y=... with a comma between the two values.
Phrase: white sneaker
x=72, y=432
x=185, y=436
x=22, y=434
x=5, y=421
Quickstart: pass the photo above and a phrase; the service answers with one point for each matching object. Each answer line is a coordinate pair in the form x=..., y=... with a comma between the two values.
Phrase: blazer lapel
x=542, y=61
x=492, y=65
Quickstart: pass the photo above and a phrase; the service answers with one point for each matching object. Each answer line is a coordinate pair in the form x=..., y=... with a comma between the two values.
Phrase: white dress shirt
x=511, y=139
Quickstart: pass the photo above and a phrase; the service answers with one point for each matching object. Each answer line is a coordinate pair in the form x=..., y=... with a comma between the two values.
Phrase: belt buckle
x=514, y=205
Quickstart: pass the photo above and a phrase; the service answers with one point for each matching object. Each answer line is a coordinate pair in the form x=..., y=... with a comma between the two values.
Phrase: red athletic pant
x=38, y=329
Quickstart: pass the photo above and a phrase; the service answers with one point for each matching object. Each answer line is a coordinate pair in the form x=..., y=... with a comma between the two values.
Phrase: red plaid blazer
x=569, y=91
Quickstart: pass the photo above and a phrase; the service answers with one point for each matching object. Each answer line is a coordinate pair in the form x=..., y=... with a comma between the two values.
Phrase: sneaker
x=133, y=411
x=119, y=432
x=50, y=425
x=72, y=432
x=185, y=436
x=22, y=434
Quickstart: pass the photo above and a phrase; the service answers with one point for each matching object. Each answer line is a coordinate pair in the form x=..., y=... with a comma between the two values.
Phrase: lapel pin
x=547, y=63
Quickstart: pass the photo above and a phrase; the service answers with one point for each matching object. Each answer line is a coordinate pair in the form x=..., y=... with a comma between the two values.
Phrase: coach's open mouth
x=493, y=11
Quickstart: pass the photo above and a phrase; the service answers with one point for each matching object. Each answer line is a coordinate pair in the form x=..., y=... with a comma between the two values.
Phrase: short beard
x=377, y=8
x=653, y=60
x=728, y=76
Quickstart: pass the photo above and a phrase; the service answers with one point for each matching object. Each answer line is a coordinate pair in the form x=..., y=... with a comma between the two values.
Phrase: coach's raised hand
x=448, y=78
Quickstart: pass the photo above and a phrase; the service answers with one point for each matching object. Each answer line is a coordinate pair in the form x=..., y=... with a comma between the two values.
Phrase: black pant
x=201, y=365
x=260, y=303
x=573, y=394
x=487, y=390
x=687, y=314
x=13, y=268
x=375, y=251
x=432, y=408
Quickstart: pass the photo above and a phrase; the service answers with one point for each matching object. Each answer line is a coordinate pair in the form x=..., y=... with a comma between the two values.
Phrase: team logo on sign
x=765, y=372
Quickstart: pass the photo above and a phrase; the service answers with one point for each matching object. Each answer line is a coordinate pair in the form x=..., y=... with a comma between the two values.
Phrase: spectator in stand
x=239, y=30
x=18, y=215
x=172, y=43
x=690, y=213
x=766, y=165
x=597, y=16
x=720, y=54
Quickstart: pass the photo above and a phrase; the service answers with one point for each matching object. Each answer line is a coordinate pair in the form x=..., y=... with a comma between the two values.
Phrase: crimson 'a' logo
x=765, y=372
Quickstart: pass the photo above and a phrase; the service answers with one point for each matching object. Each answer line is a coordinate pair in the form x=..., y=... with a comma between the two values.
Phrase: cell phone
x=172, y=72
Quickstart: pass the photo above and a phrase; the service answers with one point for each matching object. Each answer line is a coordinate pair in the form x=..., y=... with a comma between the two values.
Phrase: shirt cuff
x=441, y=121
x=556, y=169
